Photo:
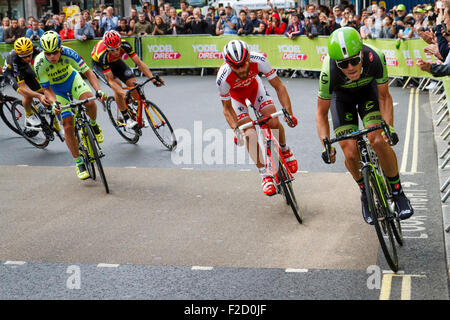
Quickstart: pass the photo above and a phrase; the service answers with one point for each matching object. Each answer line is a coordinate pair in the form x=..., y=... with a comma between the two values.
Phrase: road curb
x=440, y=123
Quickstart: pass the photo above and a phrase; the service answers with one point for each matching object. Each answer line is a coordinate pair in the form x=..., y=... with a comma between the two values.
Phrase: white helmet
x=235, y=52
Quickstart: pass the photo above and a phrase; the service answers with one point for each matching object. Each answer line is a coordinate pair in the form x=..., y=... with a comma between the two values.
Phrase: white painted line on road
x=187, y=168
x=22, y=165
x=395, y=104
x=130, y=167
x=203, y=268
x=245, y=170
x=296, y=270
x=408, y=133
x=17, y=263
x=303, y=171
x=107, y=265
x=416, y=135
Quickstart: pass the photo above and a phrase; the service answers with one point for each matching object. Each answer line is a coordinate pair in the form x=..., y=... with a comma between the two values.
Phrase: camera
x=222, y=14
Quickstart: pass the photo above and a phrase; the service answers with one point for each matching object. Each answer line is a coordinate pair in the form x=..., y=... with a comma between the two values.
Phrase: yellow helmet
x=23, y=46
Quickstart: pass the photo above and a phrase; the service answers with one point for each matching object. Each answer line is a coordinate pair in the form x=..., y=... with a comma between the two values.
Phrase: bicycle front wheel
x=288, y=191
x=95, y=149
x=130, y=135
x=36, y=136
x=84, y=152
x=160, y=125
x=380, y=214
x=6, y=113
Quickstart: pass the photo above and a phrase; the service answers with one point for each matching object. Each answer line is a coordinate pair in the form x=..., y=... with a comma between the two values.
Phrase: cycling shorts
x=74, y=85
x=346, y=106
x=119, y=70
x=260, y=99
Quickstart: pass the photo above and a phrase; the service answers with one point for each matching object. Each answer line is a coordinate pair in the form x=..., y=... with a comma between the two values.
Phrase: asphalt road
x=194, y=224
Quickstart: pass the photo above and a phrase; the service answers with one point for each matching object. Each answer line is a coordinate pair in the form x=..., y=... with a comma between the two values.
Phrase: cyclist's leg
x=123, y=73
x=68, y=126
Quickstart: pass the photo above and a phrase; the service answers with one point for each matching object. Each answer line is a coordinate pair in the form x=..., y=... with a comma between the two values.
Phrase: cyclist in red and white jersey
x=238, y=80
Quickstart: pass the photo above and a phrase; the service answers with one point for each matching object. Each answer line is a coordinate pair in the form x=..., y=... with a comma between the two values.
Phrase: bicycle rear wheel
x=288, y=191
x=95, y=148
x=130, y=135
x=160, y=125
x=6, y=114
x=383, y=222
x=37, y=136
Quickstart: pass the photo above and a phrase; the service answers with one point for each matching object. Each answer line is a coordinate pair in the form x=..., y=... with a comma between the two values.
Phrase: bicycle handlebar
x=138, y=85
x=262, y=120
x=72, y=104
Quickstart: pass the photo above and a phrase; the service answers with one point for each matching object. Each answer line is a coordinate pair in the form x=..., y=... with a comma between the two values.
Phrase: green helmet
x=50, y=41
x=344, y=43
x=401, y=7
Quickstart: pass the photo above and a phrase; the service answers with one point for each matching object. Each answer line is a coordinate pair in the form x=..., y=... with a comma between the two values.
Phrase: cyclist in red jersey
x=107, y=62
x=238, y=80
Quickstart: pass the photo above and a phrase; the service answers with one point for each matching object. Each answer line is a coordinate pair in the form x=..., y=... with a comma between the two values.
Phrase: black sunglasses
x=343, y=64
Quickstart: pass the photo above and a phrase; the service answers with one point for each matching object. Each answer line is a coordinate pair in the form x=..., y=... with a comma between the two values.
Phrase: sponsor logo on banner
x=409, y=61
x=323, y=51
x=163, y=52
x=391, y=59
x=291, y=52
x=207, y=51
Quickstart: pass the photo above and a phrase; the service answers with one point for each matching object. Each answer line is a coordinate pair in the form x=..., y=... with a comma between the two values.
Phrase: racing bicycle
x=378, y=191
x=39, y=136
x=88, y=145
x=155, y=117
x=275, y=162
x=6, y=106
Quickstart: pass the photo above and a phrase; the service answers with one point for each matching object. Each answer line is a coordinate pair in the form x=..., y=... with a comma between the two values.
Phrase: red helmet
x=112, y=39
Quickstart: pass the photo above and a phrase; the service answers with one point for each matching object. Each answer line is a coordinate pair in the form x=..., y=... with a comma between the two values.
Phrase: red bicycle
x=274, y=160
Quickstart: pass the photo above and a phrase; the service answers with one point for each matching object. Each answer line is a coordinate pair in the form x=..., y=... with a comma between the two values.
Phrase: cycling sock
x=360, y=183
x=29, y=113
x=284, y=147
x=79, y=161
x=263, y=172
x=395, y=184
x=93, y=123
x=125, y=114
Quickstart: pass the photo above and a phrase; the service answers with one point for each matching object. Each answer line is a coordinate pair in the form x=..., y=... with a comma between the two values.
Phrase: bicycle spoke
x=130, y=135
x=160, y=125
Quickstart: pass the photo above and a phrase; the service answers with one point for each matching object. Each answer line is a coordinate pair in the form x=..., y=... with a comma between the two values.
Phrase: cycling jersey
x=252, y=88
x=50, y=74
x=63, y=77
x=17, y=70
x=101, y=55
x=352, y=98
x=333, y=79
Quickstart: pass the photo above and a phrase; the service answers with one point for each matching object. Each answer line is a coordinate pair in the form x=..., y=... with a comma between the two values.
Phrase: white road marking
x=408, y=133
x=107, y=265
x=17, y=263
x=416, y=135
x=203, y=268
x=296, y=270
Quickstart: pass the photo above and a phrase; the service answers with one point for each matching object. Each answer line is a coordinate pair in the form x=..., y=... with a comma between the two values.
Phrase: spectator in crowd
x=165, y=14
x=254, y=21
x=84, y=30
x=14, y=32
x=131, y=25
x=276, y=26
x=337, y=12
x=196, y=24
x=367, y=30
x=227, y=22
x=123, y=28
x=387, y=29
x=109, y=22
x=86, y=16
x=22, y=23
x=244, y=26
x=184, y=17
x=160, y=27
x=34, y=33
x=419, y=15
x=211, y=23
x=29, y=21
x=408, y=32
x=314, y=28
x=176, y=24
x=62, y=18
x=399, y=19
x=295, y=29
x=183, y=7
x=96, y=27
x=332, y=24
x=379, y=18
x=66, y=33
x=50, y=25
x=147, y=10
x=133, y=16
x=142, y=27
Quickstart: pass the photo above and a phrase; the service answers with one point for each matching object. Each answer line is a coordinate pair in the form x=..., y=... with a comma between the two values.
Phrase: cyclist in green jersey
x=354, y=82
x=58, y=69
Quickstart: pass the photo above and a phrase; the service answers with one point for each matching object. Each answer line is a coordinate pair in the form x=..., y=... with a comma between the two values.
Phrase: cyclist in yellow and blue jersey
x=58, y=69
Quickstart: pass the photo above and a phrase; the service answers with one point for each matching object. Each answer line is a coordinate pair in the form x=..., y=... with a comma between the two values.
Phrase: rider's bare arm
x=92, y=79
x=322, y=124
x=282, y=93
x=229, y=113
x=386, y=103
x=25, y=91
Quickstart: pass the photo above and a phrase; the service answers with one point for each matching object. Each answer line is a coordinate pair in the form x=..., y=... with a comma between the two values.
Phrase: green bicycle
x=379, y=195
x=88, y=145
